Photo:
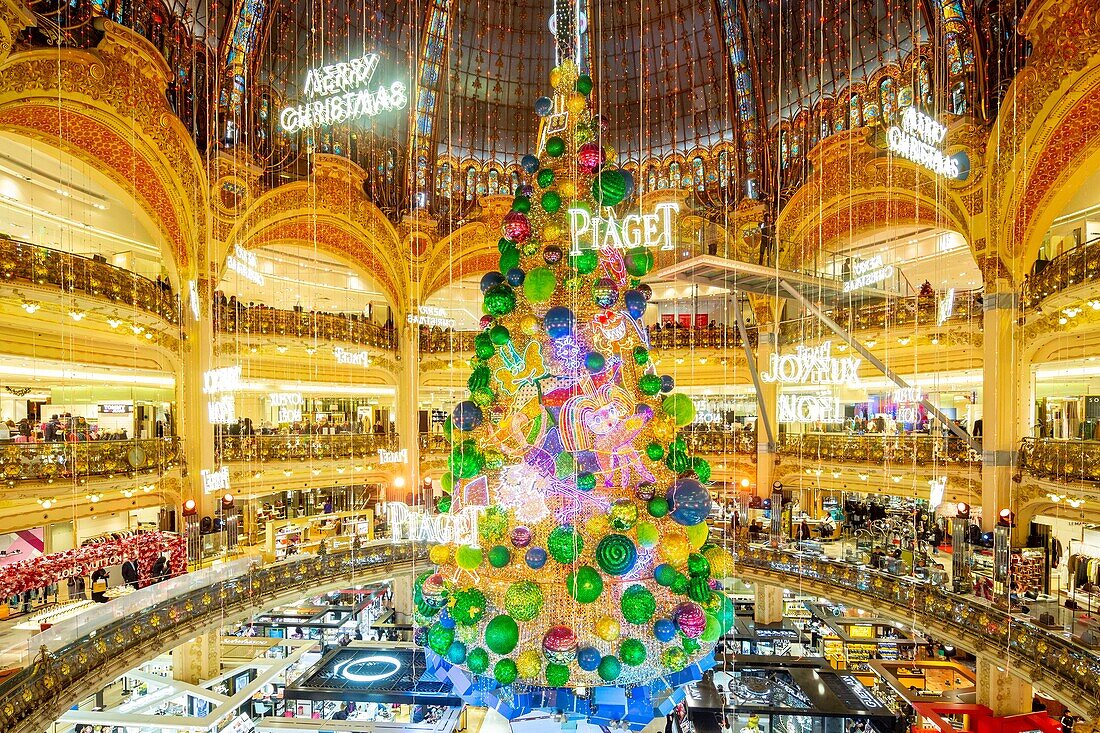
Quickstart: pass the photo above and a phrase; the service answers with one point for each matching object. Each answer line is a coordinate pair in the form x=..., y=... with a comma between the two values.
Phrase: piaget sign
x=634, y=230
x=342, y=92
x=920, y=139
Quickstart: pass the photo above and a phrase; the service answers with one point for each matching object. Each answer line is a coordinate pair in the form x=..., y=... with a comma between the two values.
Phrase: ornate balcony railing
x=901, y=315
x=46, y=461
x=273, y=448
x=434, y=445
x=720, y=442
x=1066, y=461
x=231, y=316
x=1078, y=265
x=33, y=698
x=440, y=341
x=918, y=448
x=444, y=341
x=30, y=263
x=1030, y=647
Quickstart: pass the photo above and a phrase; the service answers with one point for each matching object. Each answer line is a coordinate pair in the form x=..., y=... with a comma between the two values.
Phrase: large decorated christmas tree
x=589, y=564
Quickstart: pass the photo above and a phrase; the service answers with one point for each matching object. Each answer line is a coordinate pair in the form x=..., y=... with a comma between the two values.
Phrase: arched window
x=651, y=180
x=494, y=181
x=870, y=109
x=840, y=118
x=924, y=82
x=391, y=164
x=514, y=178
x=471, y=183
x=443, y=180
x=784, y=149
x=888, y=98
x=855, y=112
x=674, y=174
x=482, y=188
x=723, y=168
x=698, y=174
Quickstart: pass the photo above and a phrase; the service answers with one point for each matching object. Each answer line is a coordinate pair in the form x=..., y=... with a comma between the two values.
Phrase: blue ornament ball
x=515, y=277
x=605, y=293
x=529, y=162
x=635, y=303
x=667, y=383
x=535, y=557
x=589, y=658
x=628, y=178
x=456, y=653
x=543, y=107
x=445, y=619
x=491, y=279
x=467, y=416
x=664, y=630
x=559, y=322
x=420, y=636
x=688, y=502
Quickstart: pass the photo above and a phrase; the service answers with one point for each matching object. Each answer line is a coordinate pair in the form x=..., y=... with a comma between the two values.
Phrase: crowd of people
x=63, y=428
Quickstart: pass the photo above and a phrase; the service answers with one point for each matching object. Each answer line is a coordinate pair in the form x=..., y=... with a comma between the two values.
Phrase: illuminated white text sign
x=196, y=303
x=635, y=230
x=244, y=263
x=946, y=307
x=222, y=409
x=920, y=139
x=427, y=315
x=354, y=358
x=341, y=92
x=802, y=408
x=215, y=480
x=867, y=272
x=406, y=524
x=813, y=365
x=393, y=456
x=289, y=404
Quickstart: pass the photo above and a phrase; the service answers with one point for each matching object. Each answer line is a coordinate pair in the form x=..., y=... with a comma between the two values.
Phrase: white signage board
x=342, y=92
x=221, y=383
x=813, y=365
x=920, y=139
x=809, y=408
x=634, y=230
x=245, y=264
x=393, y=456
x=214, y=481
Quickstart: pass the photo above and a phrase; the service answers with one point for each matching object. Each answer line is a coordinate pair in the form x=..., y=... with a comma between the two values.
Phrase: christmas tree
x=589, y=564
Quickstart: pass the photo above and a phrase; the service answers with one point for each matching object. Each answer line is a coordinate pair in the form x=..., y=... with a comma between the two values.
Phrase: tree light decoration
x=560, y=588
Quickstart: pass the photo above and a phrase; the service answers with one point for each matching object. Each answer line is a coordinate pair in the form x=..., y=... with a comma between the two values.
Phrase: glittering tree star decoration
x=592, y=566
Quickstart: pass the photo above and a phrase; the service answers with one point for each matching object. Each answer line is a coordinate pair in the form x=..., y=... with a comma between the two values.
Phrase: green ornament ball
x=639, y=261
x=690, y=646
x=679, y=584
x=521, y=204
x=594, y=361
x=447, y=482
x=539, y=284
x=637, y=604
x=649, y=384
x=698, y=566
x=440, y=638
x=641, y=355
x=623, y=514
x=467, y=557
x=609, y=187
x=584, y=84
x=505, y=672
x=523, y=600
x=585, y=585
x=702, y=469
x=564, y=544
x=551, y=202
x=483, y=346
x=555, y=146
x=632, y=652
x=477, y=660
x=499, y=335
x=509, y=258
x=545, y=177
x=500, y=300
x=712, y=631
x=665, y=574
x=468, y=606
x=586, y=481
x=655, y=451
x=481, y=376
x=466, y=460
x=503, y=244
x=499, y=556
x=610, y=668
x=698, y=590
x=616, y=554
x=456, y=653
x=443, y=505
x=648, y=535
x=557, y=675
x=586, y=262
x=657, y=507
x=483, y=397
x=493, y=524
x=680, y=408
x=677, y=461
x=502, y=634
x=726, y=612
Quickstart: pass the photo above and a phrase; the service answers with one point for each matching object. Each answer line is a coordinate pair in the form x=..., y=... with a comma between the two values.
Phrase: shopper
x=99, y=586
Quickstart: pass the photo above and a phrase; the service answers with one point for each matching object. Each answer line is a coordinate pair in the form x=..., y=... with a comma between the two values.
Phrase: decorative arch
x=107, y=107
x=471, y=250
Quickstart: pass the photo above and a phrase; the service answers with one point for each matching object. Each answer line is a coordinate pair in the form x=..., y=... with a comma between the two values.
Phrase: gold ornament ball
x=607, y=629
x=530, y=247
x=555, y=77
x=439, y=554
x=529, y=325
x=574, y=282
x=674, y=549
x=664, y=428
x=551, y=232
x=567, y=76
x=529, y=664
x=610, y=155
x=567, y=188
x=575, y=103
x=597, y=525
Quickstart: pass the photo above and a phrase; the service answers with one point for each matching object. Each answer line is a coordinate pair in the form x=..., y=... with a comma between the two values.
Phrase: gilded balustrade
x=1078, y=265
x=720, y=442
x=275, y=448
x=901, y=315
x=440, y=341
x=31, y=699
x=1066, y=461
x=48, y=461
x=32, y=264
x=914, y=448
x=1075, y=668
x=237, y=318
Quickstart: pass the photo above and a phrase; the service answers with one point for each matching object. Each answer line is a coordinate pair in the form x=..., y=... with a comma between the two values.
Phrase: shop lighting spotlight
x=94, y=498
x=744, y=483
x=47, y=504
x=77, y=315
x=836, y=474
x=358, y=468
x=863, y=477
x=316, y=472
x=903, y=340
x=702, y=360
x=679, y=360
x=896, y=479
x=842, y=347
x=190, y=508
x=1055, y=497
x=287, y=472
x=935, y=340
x=227, y=500
x=30, y=306
x=253, y=350
x=128, y=493
x=871, y=343
x=399, y=481
x=340, y=470
x=962, y=510
x=1005, y=517
x=1094, y=304
x=149, y=335
x=281, y=349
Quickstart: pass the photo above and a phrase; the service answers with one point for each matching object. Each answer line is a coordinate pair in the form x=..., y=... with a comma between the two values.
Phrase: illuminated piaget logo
x=409, y=524
x=342, y=92
x=634, y=230
x=920, y=139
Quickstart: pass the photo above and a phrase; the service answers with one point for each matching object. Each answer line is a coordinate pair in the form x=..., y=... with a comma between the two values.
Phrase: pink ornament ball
x=516, y=227
x=589, y=157
x=560, y=644
x=690, y=619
